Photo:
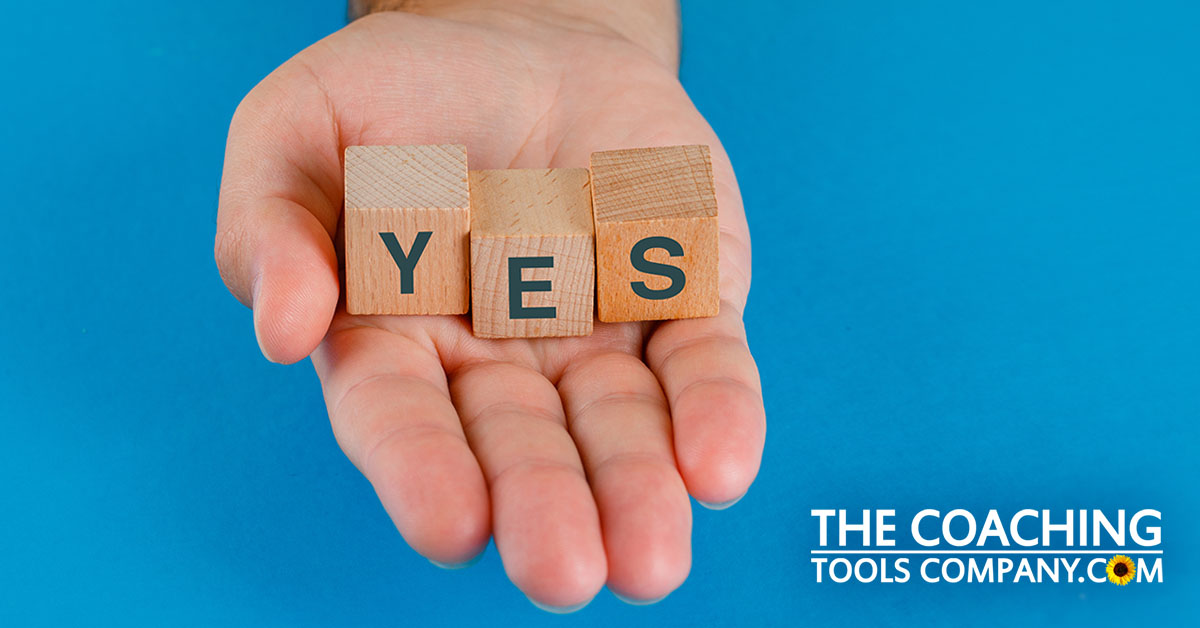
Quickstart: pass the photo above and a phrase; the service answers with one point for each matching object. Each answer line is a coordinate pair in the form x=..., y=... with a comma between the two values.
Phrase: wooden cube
x=532, y=253
x=407, y=225
x=656, y=233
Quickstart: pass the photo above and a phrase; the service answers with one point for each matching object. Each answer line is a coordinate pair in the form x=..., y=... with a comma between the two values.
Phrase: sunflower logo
x=1120, y=570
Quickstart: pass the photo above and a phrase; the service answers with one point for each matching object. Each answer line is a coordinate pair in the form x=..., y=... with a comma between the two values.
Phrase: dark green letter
x=517, y=286
x=675, y=274
x=406, y=263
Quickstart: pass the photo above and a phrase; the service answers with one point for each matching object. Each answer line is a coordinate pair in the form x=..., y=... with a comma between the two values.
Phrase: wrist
x=652, y=25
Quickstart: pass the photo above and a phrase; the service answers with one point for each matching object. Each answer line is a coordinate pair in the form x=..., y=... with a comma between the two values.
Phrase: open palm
x=577, y=454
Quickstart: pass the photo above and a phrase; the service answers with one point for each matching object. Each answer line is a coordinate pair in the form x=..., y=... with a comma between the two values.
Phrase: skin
x=578, y=454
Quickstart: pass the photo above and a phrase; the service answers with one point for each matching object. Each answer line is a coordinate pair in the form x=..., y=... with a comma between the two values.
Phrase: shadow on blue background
x=977, y=253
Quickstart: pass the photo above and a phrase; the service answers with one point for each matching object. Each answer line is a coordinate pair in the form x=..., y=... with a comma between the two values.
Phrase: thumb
x=275, y=218
x=276, y=257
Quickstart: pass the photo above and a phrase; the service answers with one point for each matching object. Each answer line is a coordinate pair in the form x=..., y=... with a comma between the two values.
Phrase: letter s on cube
x=656, y=234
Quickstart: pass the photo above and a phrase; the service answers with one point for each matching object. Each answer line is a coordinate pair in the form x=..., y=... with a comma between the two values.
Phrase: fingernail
x=721, y=505
x=637, y=602
x=559, y=610
x=261, y=347
x=454, y=566
x=254, y=290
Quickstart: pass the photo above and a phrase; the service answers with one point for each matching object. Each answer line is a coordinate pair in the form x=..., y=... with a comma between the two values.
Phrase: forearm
x=650, y=24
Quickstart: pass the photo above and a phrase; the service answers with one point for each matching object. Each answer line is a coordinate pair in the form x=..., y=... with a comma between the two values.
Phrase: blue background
x=977, y=284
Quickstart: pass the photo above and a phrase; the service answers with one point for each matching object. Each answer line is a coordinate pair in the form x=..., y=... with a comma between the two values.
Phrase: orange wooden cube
x=656, y=233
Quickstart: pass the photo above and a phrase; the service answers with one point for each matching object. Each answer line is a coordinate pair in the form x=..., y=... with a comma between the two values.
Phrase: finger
x=390, y=408
x=275, y=217
x=543, y=516
x=712, y=385
x=277, y=258
x=618, y=416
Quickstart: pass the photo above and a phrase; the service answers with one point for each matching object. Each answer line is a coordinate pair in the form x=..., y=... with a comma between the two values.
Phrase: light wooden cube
x=532, y=253
x=407, y=226
x=656, y=234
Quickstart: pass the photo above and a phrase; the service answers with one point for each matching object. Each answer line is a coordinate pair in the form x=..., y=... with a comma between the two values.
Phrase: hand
x=577, y=454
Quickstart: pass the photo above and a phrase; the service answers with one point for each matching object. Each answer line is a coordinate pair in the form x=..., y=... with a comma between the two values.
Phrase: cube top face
x=508, y=203
x=653, y=184
x=407, y=177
